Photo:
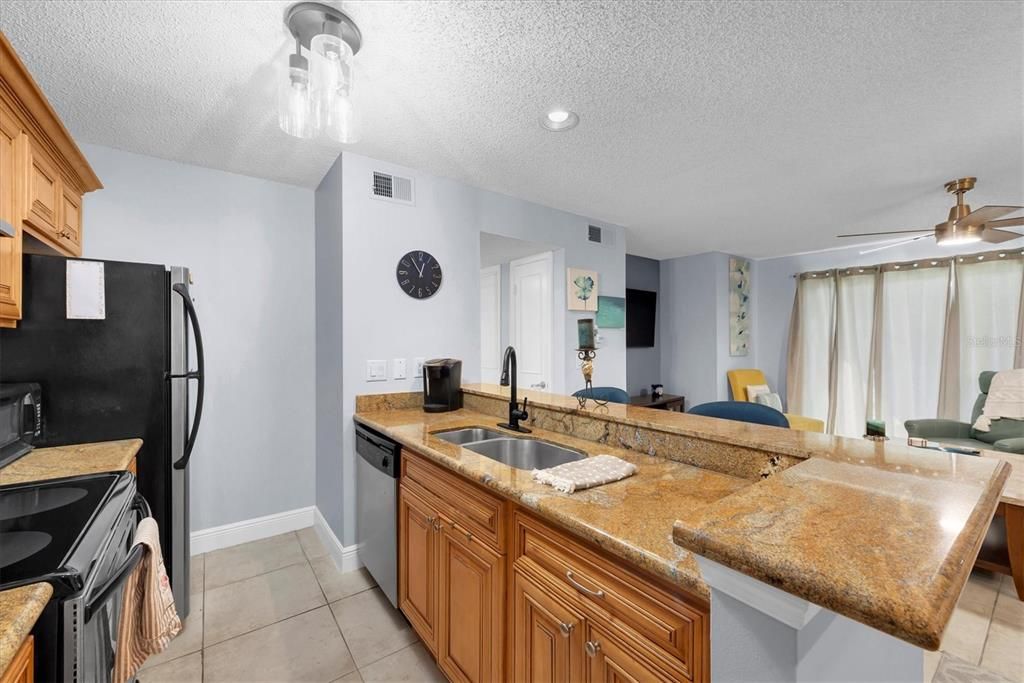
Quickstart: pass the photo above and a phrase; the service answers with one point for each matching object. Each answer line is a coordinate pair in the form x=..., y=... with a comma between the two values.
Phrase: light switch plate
x=418, y=364
x=376, y=370
x=398, y=368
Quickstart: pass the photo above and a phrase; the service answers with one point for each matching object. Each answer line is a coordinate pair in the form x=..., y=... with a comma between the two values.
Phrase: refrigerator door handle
x=198, y=374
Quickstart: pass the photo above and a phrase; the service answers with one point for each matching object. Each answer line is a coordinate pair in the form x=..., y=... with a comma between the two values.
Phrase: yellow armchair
x=739, y=380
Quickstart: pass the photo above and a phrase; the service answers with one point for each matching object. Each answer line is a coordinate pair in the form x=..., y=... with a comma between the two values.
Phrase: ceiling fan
x=963, y=225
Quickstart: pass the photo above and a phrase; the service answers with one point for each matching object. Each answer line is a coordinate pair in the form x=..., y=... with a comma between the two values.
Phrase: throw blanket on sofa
x=1005, y=399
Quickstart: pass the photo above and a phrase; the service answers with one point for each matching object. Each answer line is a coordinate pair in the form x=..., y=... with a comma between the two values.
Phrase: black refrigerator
x=125, y=376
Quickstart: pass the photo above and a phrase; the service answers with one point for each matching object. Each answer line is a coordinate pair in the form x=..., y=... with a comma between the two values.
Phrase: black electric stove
x=76, y=534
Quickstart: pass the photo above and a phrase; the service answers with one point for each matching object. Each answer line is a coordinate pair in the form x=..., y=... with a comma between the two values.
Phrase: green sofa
x=1006, y=435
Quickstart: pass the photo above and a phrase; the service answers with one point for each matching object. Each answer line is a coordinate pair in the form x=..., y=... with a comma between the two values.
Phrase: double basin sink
x=518, y=452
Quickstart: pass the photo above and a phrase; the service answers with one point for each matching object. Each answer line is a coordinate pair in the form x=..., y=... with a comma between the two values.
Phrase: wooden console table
x=1011, y=510
x=665, y=402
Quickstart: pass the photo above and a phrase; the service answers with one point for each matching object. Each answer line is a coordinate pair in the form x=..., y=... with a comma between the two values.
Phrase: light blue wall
x=249, y=244
x=694, y=338
x=643, y=365
x=329, y=345
x=380, y=322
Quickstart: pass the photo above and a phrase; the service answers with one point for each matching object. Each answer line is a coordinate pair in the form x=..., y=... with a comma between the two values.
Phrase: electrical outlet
x=398, y=368
x=418, y=364
x=376, y=370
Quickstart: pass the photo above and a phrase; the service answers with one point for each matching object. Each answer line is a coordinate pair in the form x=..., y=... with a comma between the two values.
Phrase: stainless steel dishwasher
x=377, y=470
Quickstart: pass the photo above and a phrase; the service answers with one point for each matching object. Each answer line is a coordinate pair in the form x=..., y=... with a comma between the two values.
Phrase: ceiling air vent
x=594, y=234
x=392, y=188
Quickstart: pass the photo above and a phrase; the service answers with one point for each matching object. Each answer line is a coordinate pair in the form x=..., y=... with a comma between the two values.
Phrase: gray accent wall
x=643, y=365
x=249, y=244
x=329, y=346
x=694, y=319
x=379, y=322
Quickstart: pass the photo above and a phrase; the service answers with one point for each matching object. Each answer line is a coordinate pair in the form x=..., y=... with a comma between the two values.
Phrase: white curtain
x=817, y=319
x=914, y=308
x=855, y=307
x=989, y=293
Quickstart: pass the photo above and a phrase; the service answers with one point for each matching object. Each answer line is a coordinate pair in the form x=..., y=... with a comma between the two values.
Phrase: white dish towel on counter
x=586, y=473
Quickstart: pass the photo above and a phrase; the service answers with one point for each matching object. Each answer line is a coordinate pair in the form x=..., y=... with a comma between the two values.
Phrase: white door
x=530, y=319
x=490, y=324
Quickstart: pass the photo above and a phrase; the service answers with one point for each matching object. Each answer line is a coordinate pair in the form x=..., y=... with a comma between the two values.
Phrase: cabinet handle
x=593, y=647
x=430, y=522
x=65, y=234
x=566, y=629
x=580, y=587
x=469, y=536
x=436, y=526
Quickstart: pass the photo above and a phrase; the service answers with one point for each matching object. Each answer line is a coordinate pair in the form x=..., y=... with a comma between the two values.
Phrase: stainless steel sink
x=468, y=435
x=525, y=454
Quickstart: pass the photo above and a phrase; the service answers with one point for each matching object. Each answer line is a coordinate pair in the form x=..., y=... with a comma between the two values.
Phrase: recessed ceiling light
x=558, y=120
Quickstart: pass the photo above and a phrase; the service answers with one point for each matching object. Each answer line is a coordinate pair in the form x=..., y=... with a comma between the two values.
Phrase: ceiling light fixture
x=316, y=97
x=559, y=120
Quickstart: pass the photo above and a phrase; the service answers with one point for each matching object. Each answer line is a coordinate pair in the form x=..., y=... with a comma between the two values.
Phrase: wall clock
x=418, y=274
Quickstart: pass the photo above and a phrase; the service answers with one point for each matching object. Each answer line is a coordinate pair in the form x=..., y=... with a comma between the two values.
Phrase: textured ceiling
x=756, y=128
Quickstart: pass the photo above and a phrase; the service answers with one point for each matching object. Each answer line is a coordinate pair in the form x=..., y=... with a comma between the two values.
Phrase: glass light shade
x=337, y=117
x=294, y=104
x=334, y=68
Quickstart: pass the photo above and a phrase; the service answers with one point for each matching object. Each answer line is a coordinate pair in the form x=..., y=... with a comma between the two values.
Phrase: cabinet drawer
x=612, y=593
x=465, y=503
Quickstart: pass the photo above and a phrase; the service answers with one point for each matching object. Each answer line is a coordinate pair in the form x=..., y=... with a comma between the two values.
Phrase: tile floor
x=279, y=610
x=984, y=641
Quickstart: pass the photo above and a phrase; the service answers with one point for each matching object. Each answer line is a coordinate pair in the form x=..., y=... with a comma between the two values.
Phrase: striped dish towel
x=586, y=473
x=148, y=617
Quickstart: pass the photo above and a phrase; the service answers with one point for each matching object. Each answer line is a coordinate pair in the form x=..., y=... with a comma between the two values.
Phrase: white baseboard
x=346, y=557
x=227, y=535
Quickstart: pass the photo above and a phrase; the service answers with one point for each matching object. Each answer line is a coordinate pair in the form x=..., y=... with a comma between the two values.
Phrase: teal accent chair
x=1006, y=435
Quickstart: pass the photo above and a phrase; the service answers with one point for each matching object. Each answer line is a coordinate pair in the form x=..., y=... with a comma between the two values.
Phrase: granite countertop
x=631, y=519
x=888, y=540
x=19, y=610
x=68, y=461
x=881, y=533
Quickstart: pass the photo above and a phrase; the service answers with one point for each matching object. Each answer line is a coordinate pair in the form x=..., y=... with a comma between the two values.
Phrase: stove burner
x=17, y=545
x=33, y=501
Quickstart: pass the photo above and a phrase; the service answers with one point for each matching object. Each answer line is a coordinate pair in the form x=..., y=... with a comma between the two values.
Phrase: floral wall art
x=739, y=306
x=581, y=289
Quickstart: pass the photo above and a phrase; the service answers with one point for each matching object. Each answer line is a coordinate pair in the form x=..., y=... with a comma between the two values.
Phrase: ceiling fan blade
x=1005, y=223
x=894, y=244
x=888, y=232
x=995, y=236
x=986, y=214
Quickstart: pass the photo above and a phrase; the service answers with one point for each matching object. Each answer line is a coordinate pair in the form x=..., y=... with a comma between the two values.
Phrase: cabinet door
x=547, y=643
x=11, y=183
x=611, y=660
x=472, y=595
x=417, y=565
x=44, y=193
x=70, y=230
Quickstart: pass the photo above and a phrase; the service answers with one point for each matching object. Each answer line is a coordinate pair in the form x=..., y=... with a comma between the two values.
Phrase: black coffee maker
x=442, y=385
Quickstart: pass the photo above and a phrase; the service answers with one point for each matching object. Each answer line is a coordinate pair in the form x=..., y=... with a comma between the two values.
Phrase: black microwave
x=21, y=419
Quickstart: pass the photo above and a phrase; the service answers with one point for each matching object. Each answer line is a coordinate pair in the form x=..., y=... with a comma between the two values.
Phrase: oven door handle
x=115, y=582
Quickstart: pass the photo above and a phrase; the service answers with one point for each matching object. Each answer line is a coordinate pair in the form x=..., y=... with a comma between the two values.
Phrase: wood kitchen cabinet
x=474, y=567
x=22, y=667
x=43, y=176
x=547, y=644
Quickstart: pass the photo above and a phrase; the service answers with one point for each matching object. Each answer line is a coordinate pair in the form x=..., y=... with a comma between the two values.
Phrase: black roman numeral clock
x=419, y=274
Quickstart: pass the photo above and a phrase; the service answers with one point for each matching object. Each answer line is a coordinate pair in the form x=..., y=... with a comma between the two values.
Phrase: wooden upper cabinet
x=43, y=176
x=44, y=193
x=11, y=142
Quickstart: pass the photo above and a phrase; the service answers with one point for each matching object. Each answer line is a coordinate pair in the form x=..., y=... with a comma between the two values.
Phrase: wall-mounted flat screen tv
x=641, y=311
